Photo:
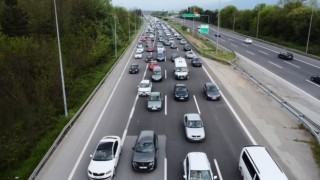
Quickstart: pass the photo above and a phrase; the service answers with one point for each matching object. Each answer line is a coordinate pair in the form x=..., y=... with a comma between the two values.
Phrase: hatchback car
x=144, y=88
x=187, y=47
x=315, y=78
x=156, y=74
x=248, y=41
x=173, y=46
x=138, y=55
x=166, y=43
x=149, y=58
x=183, y=42
x=134, y=68
x=211, y=91
x=174, y=56
x=161, y=56
x=145, y=151
x=181, y=92
x=285, y=55
x=149, y=49
x=196, y=62
x=190, y=55
x=154, y=102
x=153, y=64
x=105, y=158
x=194, y=127
x=179, y=38
x=197, y=166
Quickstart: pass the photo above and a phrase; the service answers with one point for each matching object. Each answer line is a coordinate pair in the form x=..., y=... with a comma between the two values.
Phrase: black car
x=181, y=92
x=149, y=58
x=285, y=55
x=174, y=56
x=161, y=56
x=166, y=43
x=134, y=69
x=315, y=78
x=187, y=47
x=196, y=62
x=145, y=151
x=179, y=37
x=173, y=46
x=211, y=91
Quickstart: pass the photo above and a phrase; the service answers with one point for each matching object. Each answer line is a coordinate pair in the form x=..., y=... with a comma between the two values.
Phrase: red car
x=153, y=64
x=150, y=49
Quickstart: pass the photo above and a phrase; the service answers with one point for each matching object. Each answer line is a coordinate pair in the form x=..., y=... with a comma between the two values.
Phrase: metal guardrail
x=74, y=118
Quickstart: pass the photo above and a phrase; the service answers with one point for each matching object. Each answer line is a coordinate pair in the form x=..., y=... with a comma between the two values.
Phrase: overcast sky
x=178, y=5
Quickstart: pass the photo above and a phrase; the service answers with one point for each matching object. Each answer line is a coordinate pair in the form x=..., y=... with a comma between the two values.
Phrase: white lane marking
x=292, y=64
x=234, y=45
x=178, y=49
x=165, y=105
x=244, y=45
x=250, y=52
x=265, y=48
x=313, y=82
x=129, y=120
x=275, y=64
x=263, y=52
x=218, y=169
x=165, y=74
x=98, y=121
x=195, y=100
x=306, y=63
x=165, y=169
x=145, y=71
x=233, y=112
x=255, y=64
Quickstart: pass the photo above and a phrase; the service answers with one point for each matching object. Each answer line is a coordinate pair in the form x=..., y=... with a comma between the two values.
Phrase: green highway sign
x=190, y=15
x=204, y=29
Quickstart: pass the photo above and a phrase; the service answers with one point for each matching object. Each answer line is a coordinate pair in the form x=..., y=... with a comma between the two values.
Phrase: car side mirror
x=91, y=155
x=215, y=177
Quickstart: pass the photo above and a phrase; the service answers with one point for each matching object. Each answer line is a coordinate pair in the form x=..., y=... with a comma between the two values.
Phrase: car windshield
x=212, y=89
x=144, y=85
x=156, y=72
x=160, y=55
x=181, y=69
x=200, y=175
x=144, y=147
x=194, y=124
x=103, y=152
x=154, y=98
x=134, y=66
x=181, y=89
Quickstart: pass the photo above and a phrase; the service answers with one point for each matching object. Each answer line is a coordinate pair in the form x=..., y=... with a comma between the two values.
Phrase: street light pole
x=258, y=22
x=234, y=20
x=218, y=29
x=307, y=47
x=61, y=64
x=129, y=24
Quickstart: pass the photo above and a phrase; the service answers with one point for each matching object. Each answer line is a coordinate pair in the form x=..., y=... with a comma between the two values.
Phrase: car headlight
x=108, y=172
x=89, y=172
x=151, y=164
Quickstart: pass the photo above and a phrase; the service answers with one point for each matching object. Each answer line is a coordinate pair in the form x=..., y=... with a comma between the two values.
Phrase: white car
x=248, y=41
x=190, y=55
x=197, y=166
x=194, y=127
x=105, y=158
x=151, y=36
x=140, y=49
x=161, y=48
x=144, y=88
x=138, y=55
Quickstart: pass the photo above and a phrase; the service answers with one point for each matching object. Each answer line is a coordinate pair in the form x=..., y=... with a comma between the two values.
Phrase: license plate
x=181, y=98
x=143, y=167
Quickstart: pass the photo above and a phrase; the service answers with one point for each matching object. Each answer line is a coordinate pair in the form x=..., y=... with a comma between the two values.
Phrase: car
x=193, y=126
x=174, y=56
x=183, y=42
x=105, y=158
x=161, y=48
x=145, y=151
x=173, y=46
x=196, y=62
x=285, y=55
x=181, y=92
x=171, y=40
x=248, y=41
x=134, y=68
x=168, y=33
x=166, y=43
x=138, y=55
x=151, y=36
x=197, y=166
x=161, y=56
x=140, y=49
x=156, y=74
x=154, y=102
x=179, y=38
x=190, y=55
x=176, y=34
x=187, y=47
x=315, y=78
x=211, y=91
x=149, y=58
x=153, y=64
x=144, y=88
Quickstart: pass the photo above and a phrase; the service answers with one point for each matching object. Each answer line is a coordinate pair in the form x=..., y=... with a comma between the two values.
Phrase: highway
x=296, y=72
x=117, y=110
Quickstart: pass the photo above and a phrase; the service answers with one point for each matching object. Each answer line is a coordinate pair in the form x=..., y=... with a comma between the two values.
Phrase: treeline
x=286, y=23
x=31, y=103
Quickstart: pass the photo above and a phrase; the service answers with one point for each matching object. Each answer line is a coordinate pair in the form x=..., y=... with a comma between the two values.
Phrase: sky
x=177, y=5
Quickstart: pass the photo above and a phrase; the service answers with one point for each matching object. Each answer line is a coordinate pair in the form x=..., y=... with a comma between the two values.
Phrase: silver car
x=190, y=55
x=194, y=127
x=155, y=101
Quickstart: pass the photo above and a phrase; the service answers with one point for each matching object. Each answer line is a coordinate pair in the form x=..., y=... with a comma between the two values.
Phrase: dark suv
x=211, y=91
x=145, y=151
x=285, y=55
x=315, y=78
x=181, y=92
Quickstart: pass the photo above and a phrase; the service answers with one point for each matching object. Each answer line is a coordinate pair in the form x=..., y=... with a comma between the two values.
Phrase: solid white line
x=233, y=112
x=250, y=52
x=195, y=100
x=145, y=71
x=275, y=64
x=265, y=48
x=98, y=121
x=306, y=63
x=178, y=49
x=218, y=169
x=234, y=45
x=165, y=74
x=165, y=105
x=292, y=64
x=312, y=82
x=263, y=52
x=165, y=169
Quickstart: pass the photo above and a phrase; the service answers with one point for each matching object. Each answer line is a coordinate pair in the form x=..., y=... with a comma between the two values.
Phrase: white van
x=180, y=68
x=257, y=164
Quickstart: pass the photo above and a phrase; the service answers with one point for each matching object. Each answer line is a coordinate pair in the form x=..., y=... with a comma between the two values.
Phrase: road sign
x=190, y=15
x=204, y=29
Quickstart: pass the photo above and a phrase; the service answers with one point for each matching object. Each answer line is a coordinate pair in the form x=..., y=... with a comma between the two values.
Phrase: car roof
x=145, y=81
x=198, y=161
x=109, y=139
x=180, y=85
x=193, y=116
x=209, y=84
x=146, y=136
x=155, y=94
x=134, y=64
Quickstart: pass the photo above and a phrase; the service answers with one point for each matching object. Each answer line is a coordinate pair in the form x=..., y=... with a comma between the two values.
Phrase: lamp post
x=218, y=28
x=129, y=24
x=258, y=22
x=61, y=64
x=307, y=47
x=234, y=20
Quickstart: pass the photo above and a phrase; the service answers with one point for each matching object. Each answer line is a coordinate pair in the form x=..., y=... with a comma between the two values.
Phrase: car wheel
x=312, y=79
x=207, y=97
x=114, y=172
